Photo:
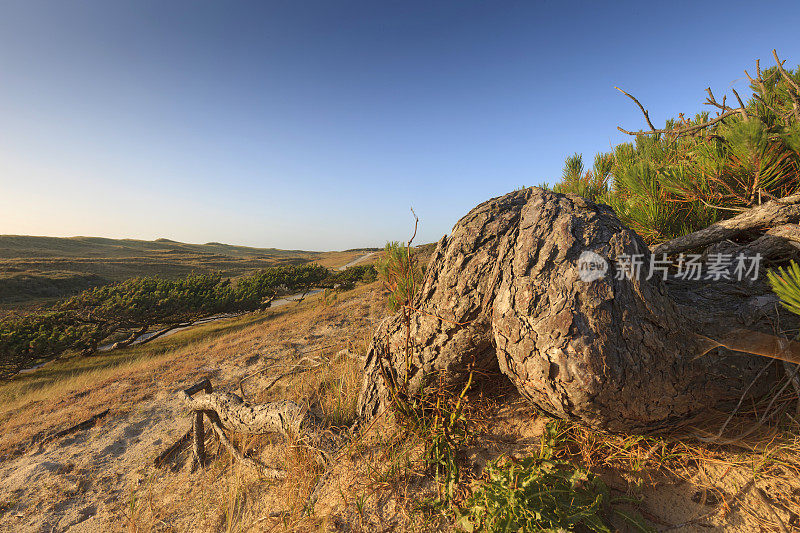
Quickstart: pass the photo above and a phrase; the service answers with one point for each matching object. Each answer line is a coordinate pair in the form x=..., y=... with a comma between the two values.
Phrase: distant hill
x=18, y=246
x=35, y=270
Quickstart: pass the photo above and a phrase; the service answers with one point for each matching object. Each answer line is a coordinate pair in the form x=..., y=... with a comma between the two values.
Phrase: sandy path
x=356, y=261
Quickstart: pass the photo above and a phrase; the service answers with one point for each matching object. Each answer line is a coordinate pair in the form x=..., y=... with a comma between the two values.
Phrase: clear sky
x=318, y=124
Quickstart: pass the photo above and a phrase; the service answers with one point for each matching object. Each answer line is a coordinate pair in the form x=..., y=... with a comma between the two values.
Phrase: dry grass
x=228, y=497
x=746, y=483
x=380, y=480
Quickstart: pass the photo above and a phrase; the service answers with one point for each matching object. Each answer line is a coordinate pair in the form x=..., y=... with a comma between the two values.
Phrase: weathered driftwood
x=262, y=469
x=757, y=343
x=283, y=417
x=767, y=215
x=503, y=291
x=228, y=411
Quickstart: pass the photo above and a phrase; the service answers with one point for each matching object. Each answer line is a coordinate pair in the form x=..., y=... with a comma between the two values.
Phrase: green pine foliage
x=253, y=289
x=85, y=321
x=29, y=338
x=592, y=184
x=347, y=279
x=786, y=284
x=151, y=300
x=400, y=273
x=665, y=185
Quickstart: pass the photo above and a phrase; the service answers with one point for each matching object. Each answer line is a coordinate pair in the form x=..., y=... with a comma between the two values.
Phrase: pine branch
x=644, y=111
x=792, y=83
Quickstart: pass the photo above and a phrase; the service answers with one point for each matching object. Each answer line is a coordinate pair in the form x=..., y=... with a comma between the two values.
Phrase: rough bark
x=768, y=215
x=229, y=411
x=503, y=290
x=778, y=244
x=283, y=417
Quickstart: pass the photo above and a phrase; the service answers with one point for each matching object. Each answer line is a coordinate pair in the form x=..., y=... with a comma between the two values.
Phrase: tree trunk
x=504, y=291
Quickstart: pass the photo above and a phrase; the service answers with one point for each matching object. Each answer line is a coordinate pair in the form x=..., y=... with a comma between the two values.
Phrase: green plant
x=399, y=272
x=346, y=280
x=432, y=412
x=592, y=184
x=534, y=494
x=447, y=435
x=786, y=284
x=84, y=321
x=436, y=417
x=329, y=297
x=360, y=502
x=540, y=493
x=697, y=171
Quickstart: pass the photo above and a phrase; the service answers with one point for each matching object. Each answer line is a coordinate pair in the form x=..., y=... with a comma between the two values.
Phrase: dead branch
x=229, y=411
x=284, y=417
x=767, y=215
x=270, y=473
x=86, y=424
x=777, y=244
x=644, y=111
x=755, y=343
x=745, y=117
x=131, y=338
x=166, y=330
x=795, y=96
x=204, y=385
x=726, y=110
x=688, y=130
x=713, y=101
x=198, y=441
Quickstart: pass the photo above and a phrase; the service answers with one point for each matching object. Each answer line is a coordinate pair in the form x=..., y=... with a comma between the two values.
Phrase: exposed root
x=267, y=472
x=228, y=411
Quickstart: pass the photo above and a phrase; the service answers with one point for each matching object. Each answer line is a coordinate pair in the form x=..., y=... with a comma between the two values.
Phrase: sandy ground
x=103, y=478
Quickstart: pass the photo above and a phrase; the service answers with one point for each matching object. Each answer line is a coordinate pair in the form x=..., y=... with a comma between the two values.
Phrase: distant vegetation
x=85, y=321
x=697, y=171
x=37, y=270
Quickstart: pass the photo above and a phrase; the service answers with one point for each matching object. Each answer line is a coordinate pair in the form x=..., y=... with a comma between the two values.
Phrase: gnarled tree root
x=534, y=284
x=228, y=411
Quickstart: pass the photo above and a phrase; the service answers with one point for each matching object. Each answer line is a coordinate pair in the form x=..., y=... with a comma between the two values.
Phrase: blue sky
x=318, y=124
